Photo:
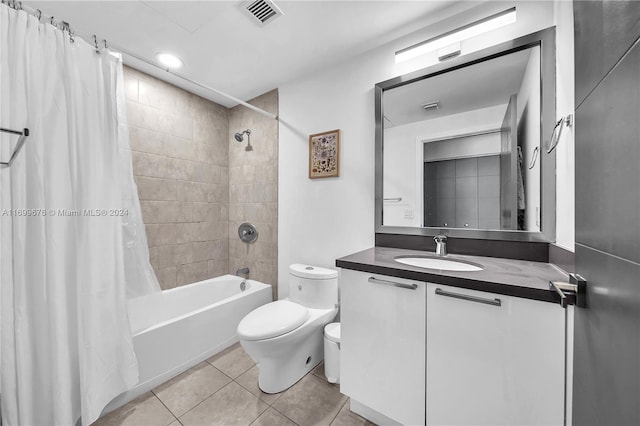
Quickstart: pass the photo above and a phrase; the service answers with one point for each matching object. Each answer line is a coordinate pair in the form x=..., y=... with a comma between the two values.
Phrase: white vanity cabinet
x=382, y=353
x=493, y=359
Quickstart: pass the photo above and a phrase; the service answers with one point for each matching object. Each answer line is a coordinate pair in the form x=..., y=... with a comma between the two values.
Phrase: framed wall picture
x=324, y=154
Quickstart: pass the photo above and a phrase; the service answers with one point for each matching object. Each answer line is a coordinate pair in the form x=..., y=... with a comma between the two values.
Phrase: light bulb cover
x=463, y=33
x=169, y=60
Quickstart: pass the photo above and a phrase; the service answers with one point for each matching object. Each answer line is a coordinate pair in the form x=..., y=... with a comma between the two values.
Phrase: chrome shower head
x=240, y=136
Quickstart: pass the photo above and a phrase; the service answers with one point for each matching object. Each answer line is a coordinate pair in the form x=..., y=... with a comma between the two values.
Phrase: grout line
x=200, y=403
x=338, y=413
x=284, y=415
x=165, y=406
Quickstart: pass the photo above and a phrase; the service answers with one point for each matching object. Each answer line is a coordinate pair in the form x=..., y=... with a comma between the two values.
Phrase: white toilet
x=285, y=337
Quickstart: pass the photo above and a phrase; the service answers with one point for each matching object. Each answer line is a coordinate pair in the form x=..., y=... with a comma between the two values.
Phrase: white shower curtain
x=72, y=244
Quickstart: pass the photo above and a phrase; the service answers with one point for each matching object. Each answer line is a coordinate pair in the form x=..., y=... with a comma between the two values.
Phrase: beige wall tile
x=218, y=193
x=130, y=87
x=203, y=250
x=191, y=202
x=167, y=277
x=161, y=234
x=156, y=189
x=189, y=232
x=192, y=272
x=193, y=191
x=218, y=267
x=203, y=212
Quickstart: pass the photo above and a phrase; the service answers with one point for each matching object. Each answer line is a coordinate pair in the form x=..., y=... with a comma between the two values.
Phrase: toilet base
x=280, y=372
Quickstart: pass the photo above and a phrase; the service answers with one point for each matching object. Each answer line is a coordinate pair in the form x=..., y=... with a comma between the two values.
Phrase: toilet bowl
x=285, y=337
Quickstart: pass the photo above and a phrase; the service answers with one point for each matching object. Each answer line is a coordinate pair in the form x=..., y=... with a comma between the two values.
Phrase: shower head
x=240, y=136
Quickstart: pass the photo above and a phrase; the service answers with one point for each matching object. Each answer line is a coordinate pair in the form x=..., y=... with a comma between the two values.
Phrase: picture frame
x=324, y=154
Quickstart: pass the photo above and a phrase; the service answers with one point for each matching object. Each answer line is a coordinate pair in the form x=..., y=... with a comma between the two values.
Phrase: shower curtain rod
x=203, y=86
x=64, y=26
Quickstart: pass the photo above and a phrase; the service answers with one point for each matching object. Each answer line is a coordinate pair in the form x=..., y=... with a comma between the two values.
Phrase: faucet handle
x=440, y=238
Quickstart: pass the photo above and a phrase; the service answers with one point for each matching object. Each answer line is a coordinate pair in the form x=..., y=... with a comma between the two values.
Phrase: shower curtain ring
x=39, y=15
x=105, y=44
x=95, y=43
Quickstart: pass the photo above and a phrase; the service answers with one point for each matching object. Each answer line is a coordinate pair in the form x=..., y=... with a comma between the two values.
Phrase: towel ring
x=557, y=132
x=534, y=157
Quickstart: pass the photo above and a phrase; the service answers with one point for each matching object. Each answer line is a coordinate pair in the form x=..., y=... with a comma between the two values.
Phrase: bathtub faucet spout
x=243, y=271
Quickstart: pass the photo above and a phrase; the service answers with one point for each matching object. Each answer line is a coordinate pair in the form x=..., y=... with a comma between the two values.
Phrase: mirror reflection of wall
x=458, y=146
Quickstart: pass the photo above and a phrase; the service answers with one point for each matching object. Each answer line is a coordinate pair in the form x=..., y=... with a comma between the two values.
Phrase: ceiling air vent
x=263, y=11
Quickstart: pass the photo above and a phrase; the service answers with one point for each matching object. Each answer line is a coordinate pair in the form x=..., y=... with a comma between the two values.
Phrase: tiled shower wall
x=253, y=190
x=180, y=145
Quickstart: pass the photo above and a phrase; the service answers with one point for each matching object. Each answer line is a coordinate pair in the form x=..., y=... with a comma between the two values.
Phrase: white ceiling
x=481, y=85
x=224, y=49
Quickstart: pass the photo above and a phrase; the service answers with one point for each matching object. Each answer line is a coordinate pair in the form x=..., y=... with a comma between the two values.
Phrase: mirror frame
x=545, y=39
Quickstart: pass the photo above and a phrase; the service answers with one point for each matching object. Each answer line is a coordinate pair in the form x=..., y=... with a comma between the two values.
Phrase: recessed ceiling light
x=468, y=31
x=169, y=60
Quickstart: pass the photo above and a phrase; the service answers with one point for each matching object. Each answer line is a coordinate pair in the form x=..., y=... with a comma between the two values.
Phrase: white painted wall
x=565, y=104
x=323, y=219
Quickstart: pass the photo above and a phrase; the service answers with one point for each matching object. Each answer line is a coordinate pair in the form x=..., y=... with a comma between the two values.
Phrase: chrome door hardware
x=493, y=302
x=393, y=283
x=575, y=290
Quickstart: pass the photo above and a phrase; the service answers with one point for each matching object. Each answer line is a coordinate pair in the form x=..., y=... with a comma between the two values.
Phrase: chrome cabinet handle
x=493, y=302
x=393, y=283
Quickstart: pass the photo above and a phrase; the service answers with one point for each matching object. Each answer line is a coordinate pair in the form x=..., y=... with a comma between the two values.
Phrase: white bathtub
x=176, y=329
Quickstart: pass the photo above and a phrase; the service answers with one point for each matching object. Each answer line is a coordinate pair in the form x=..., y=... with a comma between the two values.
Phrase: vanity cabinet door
x=382, y=354
x=493, y=359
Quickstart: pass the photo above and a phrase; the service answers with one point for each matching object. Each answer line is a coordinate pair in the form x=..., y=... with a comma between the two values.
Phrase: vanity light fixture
x=455, y=36
x=169, y=60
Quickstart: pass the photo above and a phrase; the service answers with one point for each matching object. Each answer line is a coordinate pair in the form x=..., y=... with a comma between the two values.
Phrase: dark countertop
x=519, y=278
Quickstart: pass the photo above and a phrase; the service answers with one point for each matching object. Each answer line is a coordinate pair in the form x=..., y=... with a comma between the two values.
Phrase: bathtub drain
x=243, y=286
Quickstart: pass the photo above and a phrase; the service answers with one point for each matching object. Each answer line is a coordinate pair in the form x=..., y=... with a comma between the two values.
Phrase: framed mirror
x=459, y=145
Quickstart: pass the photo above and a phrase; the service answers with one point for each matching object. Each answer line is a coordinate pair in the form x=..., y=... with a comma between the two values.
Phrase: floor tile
x=311, y=401
x=233, y=361
x=319, y=371
x=190, y=388
x=145, y=410
x=231, y=405
x=249, y=381
x=272, y=418
x=346, y=418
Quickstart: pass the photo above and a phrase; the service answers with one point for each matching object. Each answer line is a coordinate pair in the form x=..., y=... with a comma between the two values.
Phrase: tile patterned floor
x=223, y=391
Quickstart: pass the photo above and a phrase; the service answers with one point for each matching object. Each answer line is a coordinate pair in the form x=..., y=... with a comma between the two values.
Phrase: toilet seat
x=272, y=320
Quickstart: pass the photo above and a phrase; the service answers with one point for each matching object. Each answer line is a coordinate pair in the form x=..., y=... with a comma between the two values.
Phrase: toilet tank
x=313, y=287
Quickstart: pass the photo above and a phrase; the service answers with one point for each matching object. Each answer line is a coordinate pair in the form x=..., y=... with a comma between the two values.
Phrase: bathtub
x=176, y=329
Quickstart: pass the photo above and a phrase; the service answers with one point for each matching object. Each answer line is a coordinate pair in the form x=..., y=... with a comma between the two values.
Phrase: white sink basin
x=442, y=264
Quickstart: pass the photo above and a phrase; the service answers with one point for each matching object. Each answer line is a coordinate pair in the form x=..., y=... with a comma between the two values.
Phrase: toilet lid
x=272, y=320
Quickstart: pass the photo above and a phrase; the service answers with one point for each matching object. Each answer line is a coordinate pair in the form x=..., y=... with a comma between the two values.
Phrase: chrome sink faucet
x=441, y=245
